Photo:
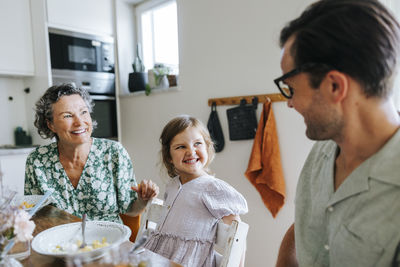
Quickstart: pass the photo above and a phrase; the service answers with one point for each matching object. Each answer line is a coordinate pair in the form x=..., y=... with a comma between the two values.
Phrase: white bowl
x=30, y=199
x=45, y=242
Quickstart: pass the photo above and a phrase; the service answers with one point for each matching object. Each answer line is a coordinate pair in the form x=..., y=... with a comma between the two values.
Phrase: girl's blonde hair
x=175, y=127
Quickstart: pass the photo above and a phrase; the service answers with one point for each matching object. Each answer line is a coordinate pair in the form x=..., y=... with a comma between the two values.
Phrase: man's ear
x=338, y=83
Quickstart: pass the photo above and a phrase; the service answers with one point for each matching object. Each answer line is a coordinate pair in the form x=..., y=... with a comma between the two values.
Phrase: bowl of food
x=64, y=240
x=28, y=202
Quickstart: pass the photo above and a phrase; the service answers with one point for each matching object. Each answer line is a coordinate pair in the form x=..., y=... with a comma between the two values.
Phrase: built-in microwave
x=79, y=51
x=88, y=62
x=86, y=59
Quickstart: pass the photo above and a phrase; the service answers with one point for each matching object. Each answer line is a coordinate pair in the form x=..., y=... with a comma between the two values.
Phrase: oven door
x=105, y=113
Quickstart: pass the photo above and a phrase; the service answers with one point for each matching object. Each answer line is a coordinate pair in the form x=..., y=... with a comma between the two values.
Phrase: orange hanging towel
x=265, y=168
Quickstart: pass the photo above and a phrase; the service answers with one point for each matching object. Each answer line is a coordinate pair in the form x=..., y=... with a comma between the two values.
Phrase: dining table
x=50, y=216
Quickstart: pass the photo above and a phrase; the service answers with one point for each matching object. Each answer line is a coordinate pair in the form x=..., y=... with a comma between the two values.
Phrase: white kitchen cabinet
x=16, y=48
x=12, y=165
x=90, y=16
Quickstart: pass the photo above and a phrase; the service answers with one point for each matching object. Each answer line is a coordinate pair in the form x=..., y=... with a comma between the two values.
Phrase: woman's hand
x=146, y=190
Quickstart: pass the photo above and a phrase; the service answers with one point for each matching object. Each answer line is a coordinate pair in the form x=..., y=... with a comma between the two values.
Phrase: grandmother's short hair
x=44, y=106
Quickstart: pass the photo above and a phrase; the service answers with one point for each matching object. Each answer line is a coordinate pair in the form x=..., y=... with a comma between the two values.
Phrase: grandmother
x=88, y=175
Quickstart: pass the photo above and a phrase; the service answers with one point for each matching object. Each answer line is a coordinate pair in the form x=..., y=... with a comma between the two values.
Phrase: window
x=158, y=33
x=394, y=6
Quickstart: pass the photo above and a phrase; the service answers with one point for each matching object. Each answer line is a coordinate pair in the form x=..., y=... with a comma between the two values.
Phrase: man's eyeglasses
x=285, y=89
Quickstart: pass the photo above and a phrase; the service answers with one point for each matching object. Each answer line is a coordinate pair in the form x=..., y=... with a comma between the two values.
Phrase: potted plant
x=138, y=78
x=160, y=74
x=157, y=78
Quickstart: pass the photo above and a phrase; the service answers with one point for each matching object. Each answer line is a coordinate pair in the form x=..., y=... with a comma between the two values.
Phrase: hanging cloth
x=215, y=129
x=264, y=170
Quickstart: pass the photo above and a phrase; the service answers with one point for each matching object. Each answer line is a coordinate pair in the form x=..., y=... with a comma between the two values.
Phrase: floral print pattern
x=104, y=189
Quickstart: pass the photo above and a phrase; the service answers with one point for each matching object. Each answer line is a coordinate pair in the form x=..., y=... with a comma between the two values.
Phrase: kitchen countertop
x=6, y=150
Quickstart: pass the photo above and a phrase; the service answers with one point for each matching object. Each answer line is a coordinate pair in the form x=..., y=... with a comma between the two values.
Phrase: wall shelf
x=153, y=91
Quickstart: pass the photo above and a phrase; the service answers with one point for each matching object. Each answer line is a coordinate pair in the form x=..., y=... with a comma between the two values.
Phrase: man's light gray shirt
x=359, y=224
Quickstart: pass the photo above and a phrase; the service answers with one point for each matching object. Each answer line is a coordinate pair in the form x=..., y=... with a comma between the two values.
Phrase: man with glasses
x=339, y=61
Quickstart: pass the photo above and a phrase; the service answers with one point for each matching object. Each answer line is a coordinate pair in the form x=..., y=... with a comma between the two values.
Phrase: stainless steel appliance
x=88, y=61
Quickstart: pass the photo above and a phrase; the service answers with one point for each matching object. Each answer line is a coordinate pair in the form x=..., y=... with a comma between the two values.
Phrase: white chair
x=230, y=240
x=150, y=217
x=230, y=243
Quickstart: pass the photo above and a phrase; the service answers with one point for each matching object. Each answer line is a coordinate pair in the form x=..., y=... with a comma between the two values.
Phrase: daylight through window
x=158, y=34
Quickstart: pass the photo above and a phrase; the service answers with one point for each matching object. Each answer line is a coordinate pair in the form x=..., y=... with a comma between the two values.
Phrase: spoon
x=139, y=243
x=83, y=231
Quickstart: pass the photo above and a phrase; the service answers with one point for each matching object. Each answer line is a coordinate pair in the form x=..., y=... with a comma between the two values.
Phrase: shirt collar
x=382, y=166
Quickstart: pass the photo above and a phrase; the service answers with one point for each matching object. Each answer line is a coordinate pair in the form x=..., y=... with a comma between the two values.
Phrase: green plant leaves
x=147, y=90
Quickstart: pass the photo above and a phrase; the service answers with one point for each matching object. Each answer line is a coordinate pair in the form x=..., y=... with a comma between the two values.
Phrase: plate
x=30, y=199
x=45, y=243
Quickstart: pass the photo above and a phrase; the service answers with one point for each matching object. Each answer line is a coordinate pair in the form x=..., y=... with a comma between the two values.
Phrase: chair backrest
x=150, y=216
x=230, y=242
x=133, y=223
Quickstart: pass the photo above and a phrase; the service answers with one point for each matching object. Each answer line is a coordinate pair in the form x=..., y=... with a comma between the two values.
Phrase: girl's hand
x=146, y=190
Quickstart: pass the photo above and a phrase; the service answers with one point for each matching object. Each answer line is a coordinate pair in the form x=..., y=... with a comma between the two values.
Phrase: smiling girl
x=195, y=200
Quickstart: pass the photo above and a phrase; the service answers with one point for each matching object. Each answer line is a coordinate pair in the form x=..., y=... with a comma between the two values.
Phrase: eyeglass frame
x=294, y=72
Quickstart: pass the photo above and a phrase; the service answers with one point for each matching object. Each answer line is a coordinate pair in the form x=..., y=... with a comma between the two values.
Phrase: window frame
x=394, y=7
x=144, y=7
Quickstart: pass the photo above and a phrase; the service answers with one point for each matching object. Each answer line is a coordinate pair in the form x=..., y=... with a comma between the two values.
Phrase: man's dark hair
x=357, y=37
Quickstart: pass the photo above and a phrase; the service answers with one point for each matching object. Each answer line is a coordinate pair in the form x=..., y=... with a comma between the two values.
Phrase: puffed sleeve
x=124, y=178
x=30, y=186
x=222, y=200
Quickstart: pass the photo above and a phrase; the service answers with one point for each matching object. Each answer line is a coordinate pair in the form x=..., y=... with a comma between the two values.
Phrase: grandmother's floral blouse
x=104, y=189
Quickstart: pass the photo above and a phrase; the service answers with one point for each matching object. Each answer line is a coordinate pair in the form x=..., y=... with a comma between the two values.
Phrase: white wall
x=12, y=112
x=125, y=38
x=227, y=48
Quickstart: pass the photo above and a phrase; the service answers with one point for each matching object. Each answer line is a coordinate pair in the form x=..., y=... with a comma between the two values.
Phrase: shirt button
x=330, y=209
x=326, y=247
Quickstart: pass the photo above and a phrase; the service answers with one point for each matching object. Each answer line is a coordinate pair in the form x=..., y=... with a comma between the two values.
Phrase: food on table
x=71, y=247
x=141, y=264
x=26, y=205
